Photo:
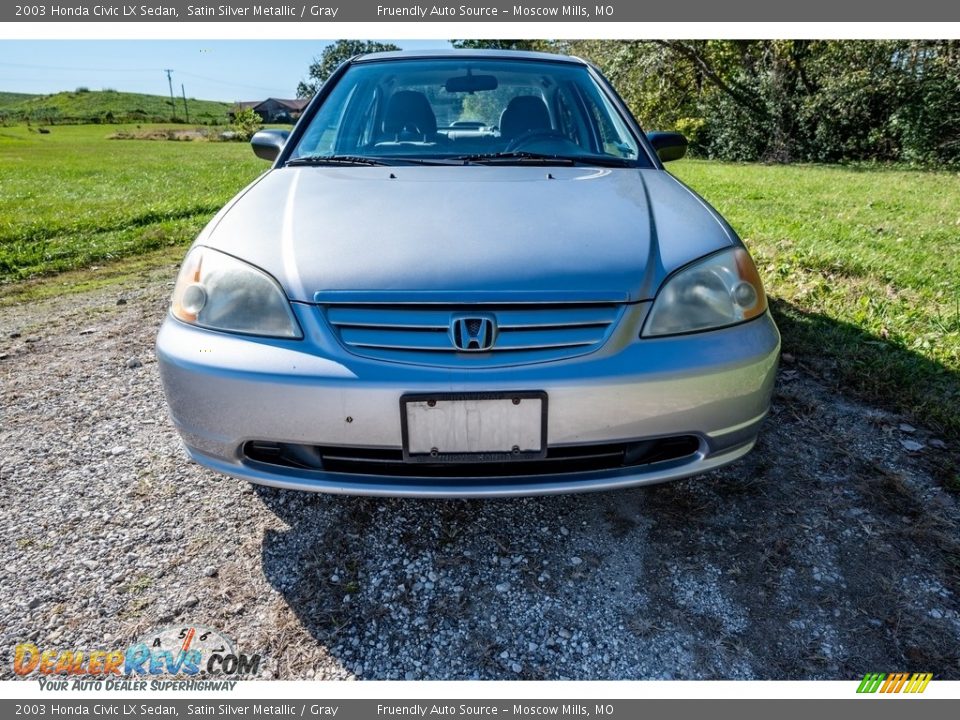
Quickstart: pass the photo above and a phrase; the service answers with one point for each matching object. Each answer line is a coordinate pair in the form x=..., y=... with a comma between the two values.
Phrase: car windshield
x=468, y=110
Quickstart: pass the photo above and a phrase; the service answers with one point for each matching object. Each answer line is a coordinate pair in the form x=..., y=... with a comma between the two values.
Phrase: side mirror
x=669, y=145
x=267, y=144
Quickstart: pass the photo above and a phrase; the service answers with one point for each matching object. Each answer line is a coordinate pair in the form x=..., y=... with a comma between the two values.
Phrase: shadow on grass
x=885, y=374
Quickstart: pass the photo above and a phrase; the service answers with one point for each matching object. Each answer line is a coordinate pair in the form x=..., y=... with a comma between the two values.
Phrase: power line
x=225, y=82
x=83, y=69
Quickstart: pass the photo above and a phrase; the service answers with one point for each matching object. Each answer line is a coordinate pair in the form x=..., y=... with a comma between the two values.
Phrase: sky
x=226, y=70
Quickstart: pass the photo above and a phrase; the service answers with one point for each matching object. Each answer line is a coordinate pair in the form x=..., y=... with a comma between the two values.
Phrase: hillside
x=106, y=106
x=11, y=98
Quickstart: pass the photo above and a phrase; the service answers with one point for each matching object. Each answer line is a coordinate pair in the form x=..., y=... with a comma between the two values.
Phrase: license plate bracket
x=475, y=427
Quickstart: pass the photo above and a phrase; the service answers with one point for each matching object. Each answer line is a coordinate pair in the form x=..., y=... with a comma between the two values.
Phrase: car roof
x=458, y=53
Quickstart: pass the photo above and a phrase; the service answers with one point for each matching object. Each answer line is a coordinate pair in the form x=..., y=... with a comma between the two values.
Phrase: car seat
x=522, y=114
x=409, y=117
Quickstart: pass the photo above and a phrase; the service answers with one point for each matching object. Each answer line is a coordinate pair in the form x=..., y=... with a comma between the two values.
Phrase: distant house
x=273, y=110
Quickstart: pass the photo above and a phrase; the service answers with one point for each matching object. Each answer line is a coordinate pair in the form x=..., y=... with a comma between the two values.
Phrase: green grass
x=863, y=269
x=93, y=105
x=73, y=197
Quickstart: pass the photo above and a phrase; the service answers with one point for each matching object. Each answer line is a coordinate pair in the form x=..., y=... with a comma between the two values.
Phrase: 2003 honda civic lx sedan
x=467, y=273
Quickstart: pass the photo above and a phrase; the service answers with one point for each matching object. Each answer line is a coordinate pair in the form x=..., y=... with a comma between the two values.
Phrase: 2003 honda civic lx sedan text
x=467, y=273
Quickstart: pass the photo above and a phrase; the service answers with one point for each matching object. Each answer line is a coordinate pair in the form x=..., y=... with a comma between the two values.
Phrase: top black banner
x=541, y=11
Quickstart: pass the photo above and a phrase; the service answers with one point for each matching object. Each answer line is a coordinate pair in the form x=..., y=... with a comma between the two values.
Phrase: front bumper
x=225, y=390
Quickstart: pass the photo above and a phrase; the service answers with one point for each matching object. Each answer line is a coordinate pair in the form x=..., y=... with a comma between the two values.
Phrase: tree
x=661, y=91
x=792, y=100
x=501, y=44
x=332, y=57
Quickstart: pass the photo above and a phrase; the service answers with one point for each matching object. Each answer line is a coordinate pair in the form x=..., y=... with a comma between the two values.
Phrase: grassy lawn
x=73, y=197
x=863, y=267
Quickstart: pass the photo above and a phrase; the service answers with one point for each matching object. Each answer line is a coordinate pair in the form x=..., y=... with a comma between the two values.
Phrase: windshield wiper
x=367, y=160
x=513, y=157
x=335, y=160
x=524, y=157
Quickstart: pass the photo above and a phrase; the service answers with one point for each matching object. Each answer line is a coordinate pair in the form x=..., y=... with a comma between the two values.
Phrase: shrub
x=246, y=122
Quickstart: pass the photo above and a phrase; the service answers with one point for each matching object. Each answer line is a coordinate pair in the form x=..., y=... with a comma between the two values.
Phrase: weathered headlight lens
x=722, y=289
x=217, y=291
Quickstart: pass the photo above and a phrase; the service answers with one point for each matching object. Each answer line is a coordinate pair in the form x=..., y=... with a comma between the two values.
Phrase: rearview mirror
x=669, y=145
x=471, y=83
x=267, y=144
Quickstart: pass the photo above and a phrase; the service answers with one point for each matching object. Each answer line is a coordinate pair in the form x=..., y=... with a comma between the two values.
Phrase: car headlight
x=722, y=289
x=219, y=292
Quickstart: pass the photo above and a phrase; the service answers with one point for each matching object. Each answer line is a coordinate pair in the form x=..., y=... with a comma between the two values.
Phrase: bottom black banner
x=873, y=708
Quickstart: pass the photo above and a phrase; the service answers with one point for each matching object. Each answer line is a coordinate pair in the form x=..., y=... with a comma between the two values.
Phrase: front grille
x=389, y=462
x=426, y=334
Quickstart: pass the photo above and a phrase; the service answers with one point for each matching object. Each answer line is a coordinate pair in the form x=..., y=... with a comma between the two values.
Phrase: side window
x=325, y=132
x=369, y=119
x=614, y=138
x=356, y=123
x=565, y=118
x=608, y=137
x=570, y=114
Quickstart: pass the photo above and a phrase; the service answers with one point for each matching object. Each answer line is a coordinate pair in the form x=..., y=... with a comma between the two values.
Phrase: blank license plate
x=474, y=427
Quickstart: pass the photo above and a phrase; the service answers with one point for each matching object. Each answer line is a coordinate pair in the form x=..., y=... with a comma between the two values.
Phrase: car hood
x=466, y=233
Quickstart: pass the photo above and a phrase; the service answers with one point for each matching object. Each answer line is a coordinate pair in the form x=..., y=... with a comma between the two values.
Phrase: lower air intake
x=388, y=462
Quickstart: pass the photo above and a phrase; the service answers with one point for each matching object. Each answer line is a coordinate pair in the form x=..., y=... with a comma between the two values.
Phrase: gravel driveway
x=829, y=551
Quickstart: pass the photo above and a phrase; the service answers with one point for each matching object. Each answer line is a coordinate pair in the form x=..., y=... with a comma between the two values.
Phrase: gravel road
x=829, y=551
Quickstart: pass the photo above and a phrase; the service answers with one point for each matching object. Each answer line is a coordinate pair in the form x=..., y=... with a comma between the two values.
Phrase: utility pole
x=185, y=110
x=173, y=103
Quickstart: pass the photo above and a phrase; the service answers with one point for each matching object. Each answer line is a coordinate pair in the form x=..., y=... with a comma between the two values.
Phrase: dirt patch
x=829, y=551
x=202, y=134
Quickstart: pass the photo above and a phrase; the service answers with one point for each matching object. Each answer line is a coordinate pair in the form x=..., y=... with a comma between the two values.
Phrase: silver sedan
x=467, y=273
